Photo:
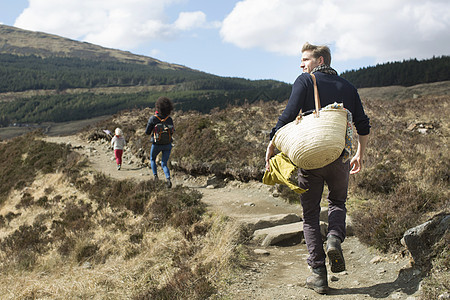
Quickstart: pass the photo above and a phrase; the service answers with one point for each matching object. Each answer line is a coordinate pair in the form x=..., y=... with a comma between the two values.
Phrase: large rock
x=277, y=234
x=270, y=221
x=420, y=239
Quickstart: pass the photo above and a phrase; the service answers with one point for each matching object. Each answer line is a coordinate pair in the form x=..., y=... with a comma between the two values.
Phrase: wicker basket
x=315, y=140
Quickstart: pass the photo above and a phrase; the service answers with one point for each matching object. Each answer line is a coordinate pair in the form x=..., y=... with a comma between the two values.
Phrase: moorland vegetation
x=163, y=244
x=62, y=222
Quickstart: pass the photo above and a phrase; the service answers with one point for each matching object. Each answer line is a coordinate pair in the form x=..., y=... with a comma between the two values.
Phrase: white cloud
x=190, y=20
x=383, y=29
x=111, y=23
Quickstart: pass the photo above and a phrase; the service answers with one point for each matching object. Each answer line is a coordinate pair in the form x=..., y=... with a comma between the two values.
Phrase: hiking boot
x=155, y=177
x=318, y=280
x=118, y=167
x=335, y=255
x=168, y=183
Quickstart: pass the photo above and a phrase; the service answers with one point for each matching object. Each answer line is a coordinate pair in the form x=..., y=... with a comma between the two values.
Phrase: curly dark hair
x=164, y=106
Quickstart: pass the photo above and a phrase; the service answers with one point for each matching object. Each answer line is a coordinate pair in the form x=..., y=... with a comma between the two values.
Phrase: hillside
x=72, y=226
x=21, y=42
x=46, y=78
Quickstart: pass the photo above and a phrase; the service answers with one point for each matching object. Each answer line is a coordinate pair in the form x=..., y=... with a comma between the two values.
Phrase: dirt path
x=281, y=272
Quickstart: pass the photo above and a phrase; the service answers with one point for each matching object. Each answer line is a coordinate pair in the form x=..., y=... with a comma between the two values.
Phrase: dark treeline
x=21, y=73
x=70, y=107
x=190, y=89
x=405, y=73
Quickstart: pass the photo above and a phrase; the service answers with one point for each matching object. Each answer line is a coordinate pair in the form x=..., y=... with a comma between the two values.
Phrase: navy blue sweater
x=332, y=88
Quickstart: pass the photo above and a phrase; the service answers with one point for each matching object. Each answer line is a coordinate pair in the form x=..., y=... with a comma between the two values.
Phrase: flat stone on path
x=277, y=234
x=270, y=221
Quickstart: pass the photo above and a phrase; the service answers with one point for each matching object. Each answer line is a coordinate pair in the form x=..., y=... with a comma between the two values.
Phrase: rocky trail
x=274, y=271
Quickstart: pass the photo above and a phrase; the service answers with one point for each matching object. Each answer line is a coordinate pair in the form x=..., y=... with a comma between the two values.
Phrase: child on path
x=118, y=143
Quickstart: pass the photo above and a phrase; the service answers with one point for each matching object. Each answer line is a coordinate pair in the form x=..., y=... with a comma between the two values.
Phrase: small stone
x=422, y=130
x=333, y=278
x=396, y=295
x=376, y=259
x=87, y=265
x=261, y=252
x=445, y=295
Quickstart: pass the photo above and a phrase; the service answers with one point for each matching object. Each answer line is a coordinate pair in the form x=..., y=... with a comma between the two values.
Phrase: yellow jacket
x=281, y=169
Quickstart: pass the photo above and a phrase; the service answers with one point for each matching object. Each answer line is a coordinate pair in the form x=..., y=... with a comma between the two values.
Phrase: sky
x=253, y=39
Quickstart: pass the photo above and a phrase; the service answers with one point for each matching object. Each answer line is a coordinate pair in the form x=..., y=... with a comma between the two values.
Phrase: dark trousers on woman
x=335, y=175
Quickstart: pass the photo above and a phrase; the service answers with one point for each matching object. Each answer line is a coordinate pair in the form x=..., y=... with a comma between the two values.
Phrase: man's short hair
x=318, y=51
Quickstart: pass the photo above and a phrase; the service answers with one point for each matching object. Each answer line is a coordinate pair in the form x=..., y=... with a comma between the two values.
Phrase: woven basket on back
x=315, y=140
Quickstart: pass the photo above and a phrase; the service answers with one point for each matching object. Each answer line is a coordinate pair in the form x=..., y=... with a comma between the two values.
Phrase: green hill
x=45, y=78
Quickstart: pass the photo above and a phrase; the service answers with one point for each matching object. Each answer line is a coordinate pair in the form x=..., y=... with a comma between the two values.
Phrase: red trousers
x=118, y=155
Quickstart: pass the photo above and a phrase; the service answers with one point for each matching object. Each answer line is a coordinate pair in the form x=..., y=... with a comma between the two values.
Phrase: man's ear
x=321, y=60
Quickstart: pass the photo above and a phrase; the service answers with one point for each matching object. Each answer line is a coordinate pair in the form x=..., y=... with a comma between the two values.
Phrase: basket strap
x=316, y=94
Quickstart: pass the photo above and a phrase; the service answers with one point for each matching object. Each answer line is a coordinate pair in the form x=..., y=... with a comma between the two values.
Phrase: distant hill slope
x=49, y=78
x=17, y=41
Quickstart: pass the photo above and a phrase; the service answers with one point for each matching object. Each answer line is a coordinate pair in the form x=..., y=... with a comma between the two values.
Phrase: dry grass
x=74, y=233
x=153, y=270
x=93, y=237
x=71, y=238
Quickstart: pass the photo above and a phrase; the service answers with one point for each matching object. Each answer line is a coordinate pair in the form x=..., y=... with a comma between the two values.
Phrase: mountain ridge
x=18, y=41
x=63, y=77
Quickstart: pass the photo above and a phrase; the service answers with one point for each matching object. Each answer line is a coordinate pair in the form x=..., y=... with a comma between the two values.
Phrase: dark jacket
x=332, y=88
x=152, y=121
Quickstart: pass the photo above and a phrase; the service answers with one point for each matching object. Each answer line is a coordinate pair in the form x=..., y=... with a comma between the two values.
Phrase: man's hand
x=269, y=153
x=356, y=162
x=355, y=165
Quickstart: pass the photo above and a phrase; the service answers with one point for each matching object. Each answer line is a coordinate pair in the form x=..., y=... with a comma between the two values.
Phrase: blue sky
x=254, y=39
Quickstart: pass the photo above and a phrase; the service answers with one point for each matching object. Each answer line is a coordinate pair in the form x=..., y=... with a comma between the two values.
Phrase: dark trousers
x=335, y=175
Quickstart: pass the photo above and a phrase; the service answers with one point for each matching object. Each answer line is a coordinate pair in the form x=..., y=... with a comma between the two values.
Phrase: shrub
x=26, y=156
x=382, y=221
x=379, y=179
x=76, y=217
x=179, y=209
x=438, y=282
x=24, y=244
x=84, y=252
x=184, y=284
x=405, y=174
x=26, y=201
